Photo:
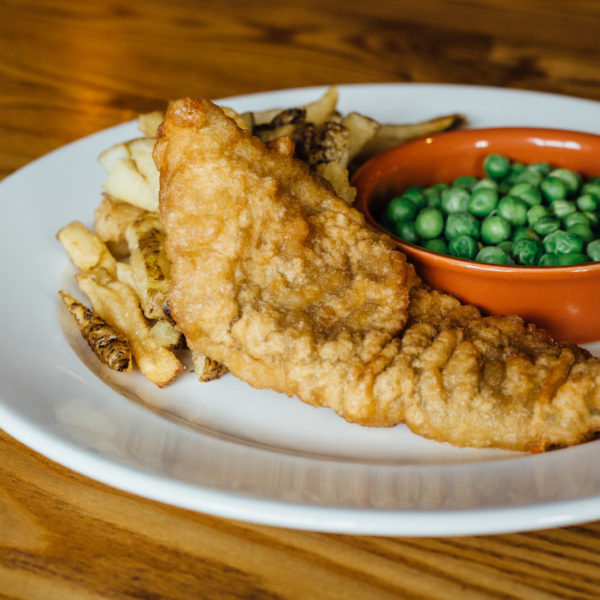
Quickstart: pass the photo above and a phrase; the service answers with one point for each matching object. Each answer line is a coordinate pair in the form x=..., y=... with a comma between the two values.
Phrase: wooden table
x=69, y=69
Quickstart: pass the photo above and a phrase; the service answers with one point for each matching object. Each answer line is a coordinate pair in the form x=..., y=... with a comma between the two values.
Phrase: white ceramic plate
x=222, y=447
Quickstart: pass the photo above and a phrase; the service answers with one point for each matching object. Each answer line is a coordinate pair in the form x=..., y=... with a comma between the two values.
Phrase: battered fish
x=281, y=281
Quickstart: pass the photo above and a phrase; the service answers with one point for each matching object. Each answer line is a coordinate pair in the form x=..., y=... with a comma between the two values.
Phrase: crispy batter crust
x=272, y=274
x=278, y=279
x=491, y=381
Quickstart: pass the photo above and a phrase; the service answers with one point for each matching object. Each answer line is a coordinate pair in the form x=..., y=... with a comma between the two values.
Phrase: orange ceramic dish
x=563, y=300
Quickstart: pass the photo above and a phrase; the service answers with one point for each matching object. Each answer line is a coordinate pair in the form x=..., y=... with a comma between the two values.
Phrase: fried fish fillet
x=281, y=281
x=271, y=273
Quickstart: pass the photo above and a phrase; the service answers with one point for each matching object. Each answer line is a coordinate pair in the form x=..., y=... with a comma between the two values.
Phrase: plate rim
x=324, y=519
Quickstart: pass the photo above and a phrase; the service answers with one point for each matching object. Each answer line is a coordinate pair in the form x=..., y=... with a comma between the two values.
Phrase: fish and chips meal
x=232, y=237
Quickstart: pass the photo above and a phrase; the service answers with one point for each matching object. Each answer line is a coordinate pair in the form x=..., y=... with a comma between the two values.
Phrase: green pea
x=532, y=177
x=429, y=223
x=485, y=183
x=588, y=202
x=506, y=245
x=517, y=168
x=441, y=186
x=535, y=213
x=465, y=181
x=461, y=223
x=581, y=231
x=495, y=229
x=592, y=187
x=455, y=200
x=433, y=197
x=593, y=250
x=553, y=189
x=525, y=233
x=548, y=260
x=529, y=193
x=576, y=218
x=415, y=196
x=507, y=182
x=562, y=208
x=593, y=218
x=542, y=168
x=573, y=258
x=571, y=179
x=463, y=246
x=504, y=187
x=493, y=255
x=406, y=231
x=526, y=251
x=414, y=188
x=400, y=209
x=560, y=242
x=546, y=225
x=514, y=210
x=436, y=245
x=483, y=201
x=496, y=166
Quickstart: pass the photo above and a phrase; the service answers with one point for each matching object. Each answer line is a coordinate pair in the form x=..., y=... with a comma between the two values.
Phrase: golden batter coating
x=278, y=279
x=491, y=381
x=272, y=274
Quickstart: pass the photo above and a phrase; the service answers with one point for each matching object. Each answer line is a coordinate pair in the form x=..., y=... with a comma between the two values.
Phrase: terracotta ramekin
x=563, y=300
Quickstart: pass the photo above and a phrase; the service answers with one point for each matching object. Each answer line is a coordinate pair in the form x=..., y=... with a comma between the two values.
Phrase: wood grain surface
x=68, y=69
x=65, y=536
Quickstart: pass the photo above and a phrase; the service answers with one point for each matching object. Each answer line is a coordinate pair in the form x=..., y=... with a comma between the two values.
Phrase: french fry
x=123, y=274
x=150, y=269
x=108, y=344
x=117, y=303
x=111, y=219
x=284, y=124
x=111, y=156
x=85, y=248
x=248, y=119
x=329, y=143
x=141, y=152
x=361, y=129
x=206, y=368
x=241, y=121
x=337, y=175
x=326, y=149
x=126, y=183
x=326, y=143
x=132, y=175
x=167, y=334
x=322, y=109
x=388, y=136
x=148, y=123
x=316, y=112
